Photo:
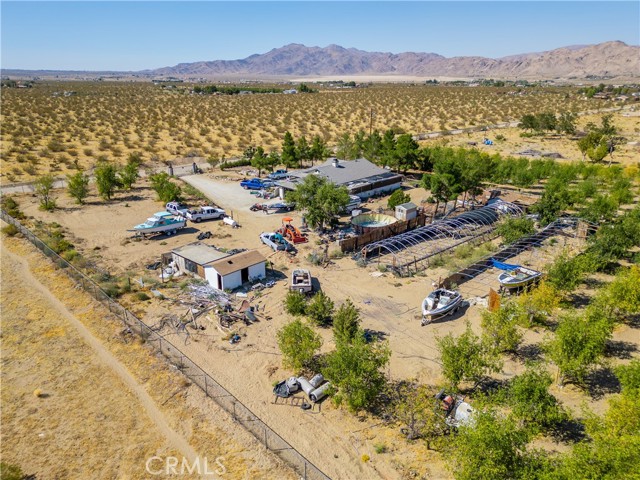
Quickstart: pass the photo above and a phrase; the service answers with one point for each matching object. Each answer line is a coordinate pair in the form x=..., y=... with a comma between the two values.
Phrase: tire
x=198, y=220
x=168, y=233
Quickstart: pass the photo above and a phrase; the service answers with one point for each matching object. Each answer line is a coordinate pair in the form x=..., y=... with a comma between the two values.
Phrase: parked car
x=205, y=213
x=177, y=208
x=278, y=175
x=256, y=184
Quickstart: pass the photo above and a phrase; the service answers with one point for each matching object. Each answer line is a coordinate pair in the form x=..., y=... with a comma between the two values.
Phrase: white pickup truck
x=204, y=213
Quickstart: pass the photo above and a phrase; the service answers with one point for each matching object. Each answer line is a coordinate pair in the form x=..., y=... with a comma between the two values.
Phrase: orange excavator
x=290, y=232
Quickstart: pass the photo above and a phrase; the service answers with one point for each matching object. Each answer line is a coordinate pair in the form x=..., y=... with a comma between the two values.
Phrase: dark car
x=256, y=184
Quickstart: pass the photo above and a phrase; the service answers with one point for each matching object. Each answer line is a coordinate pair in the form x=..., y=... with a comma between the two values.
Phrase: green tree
x=601, y=208
x=566, y=272
x=629, y=376
x=531, y=403
x=466, y=358
x=106, y=179
x=295, y=303
x=357, y=370
x=166, y=190
x=43, y=187
x=259, y=160
x=320, y=309
x=415, y=407
x=398, y=197
x=128, y=175
x=388, y=147
x=289, y=153
x=78, y=186
x=528, y=122
x=319, y=150
x=539, y=304
x=513, y=229
x=346, y=147
x=298, y=344
x=493, y=448
x=577, y=346
x=622, y=296
x=303, y=150
x=346, y=322
x=500, y=328
x=321, y=199
x=566, y=123
x=406, y=152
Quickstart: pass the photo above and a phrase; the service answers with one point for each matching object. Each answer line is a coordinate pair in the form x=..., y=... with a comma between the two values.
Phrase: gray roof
x=199, y=253
x=347, y=173
x=407, y=206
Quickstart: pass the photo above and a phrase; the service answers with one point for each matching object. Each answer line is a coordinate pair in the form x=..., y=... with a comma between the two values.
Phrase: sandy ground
x=107, y=405
x=331, y=438
x=627, y=153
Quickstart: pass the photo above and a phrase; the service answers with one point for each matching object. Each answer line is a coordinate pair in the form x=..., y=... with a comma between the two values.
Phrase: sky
x=125, y=36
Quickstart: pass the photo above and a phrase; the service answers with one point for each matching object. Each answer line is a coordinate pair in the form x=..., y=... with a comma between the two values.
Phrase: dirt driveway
x=228, y=194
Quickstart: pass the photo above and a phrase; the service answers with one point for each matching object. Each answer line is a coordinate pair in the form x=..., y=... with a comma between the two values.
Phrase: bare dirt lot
x=330, y=437
x=82, y=401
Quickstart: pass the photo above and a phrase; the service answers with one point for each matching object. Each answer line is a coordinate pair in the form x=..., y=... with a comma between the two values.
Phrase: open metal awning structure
x=410, y=252
x=476, y=278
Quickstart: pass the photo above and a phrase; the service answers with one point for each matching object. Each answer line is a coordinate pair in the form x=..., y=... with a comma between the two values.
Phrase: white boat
x=161, y=222
x=438, y=303
x=301, y=281
x=515, y=276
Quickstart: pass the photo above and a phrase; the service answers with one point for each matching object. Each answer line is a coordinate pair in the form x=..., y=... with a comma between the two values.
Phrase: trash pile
x=316, y=388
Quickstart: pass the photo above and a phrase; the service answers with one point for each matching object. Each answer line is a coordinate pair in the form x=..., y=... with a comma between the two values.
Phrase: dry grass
x=86, y=423
x=43, y=133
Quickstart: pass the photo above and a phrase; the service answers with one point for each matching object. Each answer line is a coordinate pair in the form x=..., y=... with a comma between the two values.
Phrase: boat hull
x=429, y=313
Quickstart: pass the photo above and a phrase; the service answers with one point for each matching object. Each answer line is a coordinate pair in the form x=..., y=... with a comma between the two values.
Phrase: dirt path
x=156, y=416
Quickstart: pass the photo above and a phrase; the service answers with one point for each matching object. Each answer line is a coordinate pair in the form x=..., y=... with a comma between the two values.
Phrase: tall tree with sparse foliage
x=43, y=188
x=298, y=343
x=321, y=200
x=346, y=322
x=106, y=179
x=78, y=186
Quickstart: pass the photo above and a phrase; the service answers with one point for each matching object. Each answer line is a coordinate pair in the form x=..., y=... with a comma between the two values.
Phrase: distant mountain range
x=609, y=59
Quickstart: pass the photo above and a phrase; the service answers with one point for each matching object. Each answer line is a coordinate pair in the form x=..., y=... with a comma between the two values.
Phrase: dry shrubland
x=44, y=131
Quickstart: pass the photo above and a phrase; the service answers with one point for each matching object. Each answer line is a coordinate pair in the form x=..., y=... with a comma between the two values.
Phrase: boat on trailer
x=438, y=303
x=161, y=222
x=515, y=276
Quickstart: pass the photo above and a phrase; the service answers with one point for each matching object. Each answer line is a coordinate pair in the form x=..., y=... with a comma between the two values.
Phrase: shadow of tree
x=620, y=349
x=568, y=431
x=601, y=382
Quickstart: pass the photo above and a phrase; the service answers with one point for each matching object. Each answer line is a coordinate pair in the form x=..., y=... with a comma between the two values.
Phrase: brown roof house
x=221, y=270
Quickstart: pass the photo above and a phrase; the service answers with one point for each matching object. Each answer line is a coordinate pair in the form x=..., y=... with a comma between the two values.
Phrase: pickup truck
x=205, y=213
x=276, y=241
x=278, y=175
x=256, y=184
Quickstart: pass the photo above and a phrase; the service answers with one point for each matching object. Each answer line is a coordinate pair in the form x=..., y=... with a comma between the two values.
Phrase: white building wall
x=179, y=261
x=257, y=271
x=378, y=191
x=234, y=279
x=211, y=276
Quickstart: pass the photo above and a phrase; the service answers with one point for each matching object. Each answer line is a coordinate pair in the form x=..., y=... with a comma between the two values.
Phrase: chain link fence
x=240, y=413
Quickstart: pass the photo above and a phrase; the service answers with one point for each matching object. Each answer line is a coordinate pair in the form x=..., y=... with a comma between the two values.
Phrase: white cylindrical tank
x=316, y=380
x=319, y=393
x=305, y=385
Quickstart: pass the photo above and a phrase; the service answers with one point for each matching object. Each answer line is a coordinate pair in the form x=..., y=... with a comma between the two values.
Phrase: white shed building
x=231, y=272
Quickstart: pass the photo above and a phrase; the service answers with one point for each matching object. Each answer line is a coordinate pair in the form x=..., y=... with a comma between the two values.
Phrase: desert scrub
x=10, y=230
